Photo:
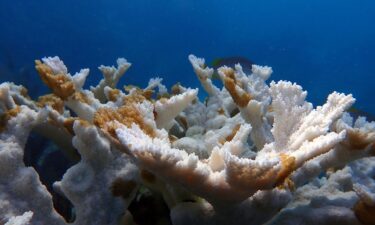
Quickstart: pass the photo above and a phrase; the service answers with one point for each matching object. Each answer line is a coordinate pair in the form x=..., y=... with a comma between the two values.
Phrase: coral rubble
x=251, y=153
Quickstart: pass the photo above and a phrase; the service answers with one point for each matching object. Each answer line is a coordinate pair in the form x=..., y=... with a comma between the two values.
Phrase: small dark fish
x=355, y=113
x=232, y=61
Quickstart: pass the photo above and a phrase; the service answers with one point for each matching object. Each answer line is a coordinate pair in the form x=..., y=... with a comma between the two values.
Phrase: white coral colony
x=253, y=153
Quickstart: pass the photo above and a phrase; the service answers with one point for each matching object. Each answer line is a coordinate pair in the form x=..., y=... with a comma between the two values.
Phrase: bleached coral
x=100, y=166
x=24, y=219
x=252, y=153
x=20, y=188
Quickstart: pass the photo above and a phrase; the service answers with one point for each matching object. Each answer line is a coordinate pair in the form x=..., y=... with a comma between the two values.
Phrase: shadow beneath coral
x=150, y=209
x=51, y=164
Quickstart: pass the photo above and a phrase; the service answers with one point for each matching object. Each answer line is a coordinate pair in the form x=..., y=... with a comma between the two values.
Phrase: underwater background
x=322, y=45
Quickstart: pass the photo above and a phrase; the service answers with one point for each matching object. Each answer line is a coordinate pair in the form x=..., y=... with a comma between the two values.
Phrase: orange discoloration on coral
x=287, y=184
x=113, y=94
x=122, y=187
x=51, y=100
x=184, y=121
x=147, y=94
x=270, y=108
x=255, y=178
x=230, y=84
x=4, y=118
x=81, y=97
x=14, y=112
x=68, y=124
x=232, y=134
x=181, y=119
x=60, y=84
x=128, y=88
x=250, y=177
x=172, y=138
x=134, y=98
x=364, y=213
x=176, y=89
x=127, y=115
x=221, y=111
x=288, y=164
x=84, y=123
x=24, y=92
x=358, y=140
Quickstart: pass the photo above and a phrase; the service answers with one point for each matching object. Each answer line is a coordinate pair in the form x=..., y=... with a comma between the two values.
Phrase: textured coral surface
x=252, y=152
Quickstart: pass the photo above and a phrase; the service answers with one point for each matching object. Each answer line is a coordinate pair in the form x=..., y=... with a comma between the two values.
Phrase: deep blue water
x=323, y=45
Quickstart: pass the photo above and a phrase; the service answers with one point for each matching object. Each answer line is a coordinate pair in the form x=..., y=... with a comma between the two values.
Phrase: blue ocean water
x=323, y=45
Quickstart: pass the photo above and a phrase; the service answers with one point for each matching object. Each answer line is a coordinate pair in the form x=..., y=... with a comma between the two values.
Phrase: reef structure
x=251, y=153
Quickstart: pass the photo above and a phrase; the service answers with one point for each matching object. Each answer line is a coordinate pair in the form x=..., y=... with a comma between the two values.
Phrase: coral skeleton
x=254, y=152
